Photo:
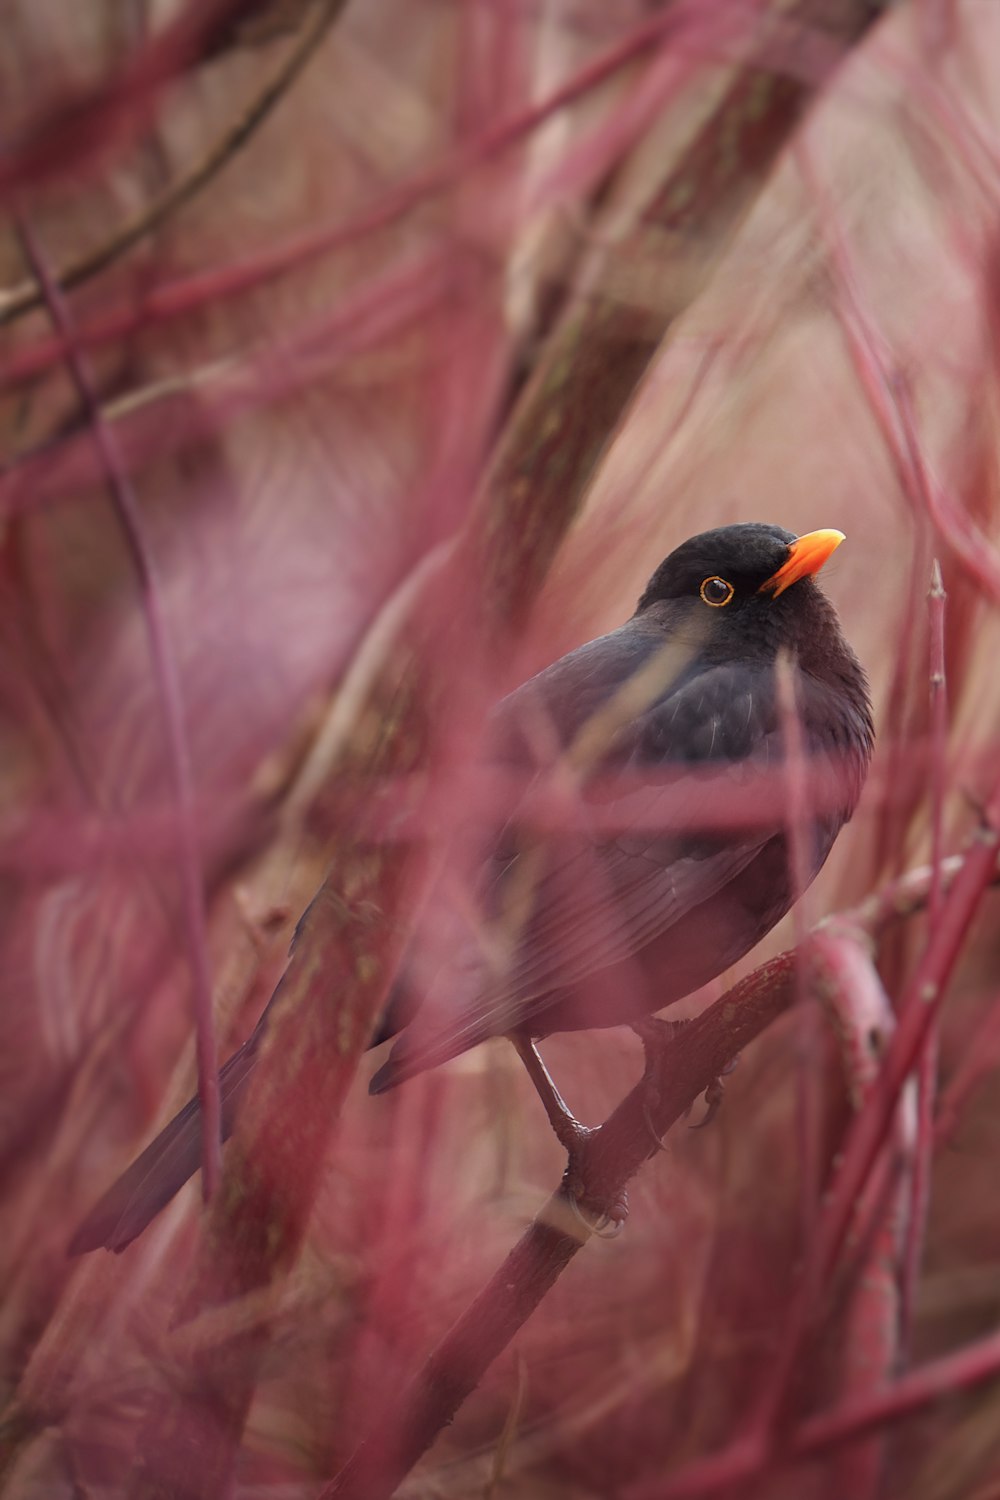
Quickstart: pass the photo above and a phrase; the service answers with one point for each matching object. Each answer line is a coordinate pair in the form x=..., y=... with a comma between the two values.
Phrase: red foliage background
x=358, y=360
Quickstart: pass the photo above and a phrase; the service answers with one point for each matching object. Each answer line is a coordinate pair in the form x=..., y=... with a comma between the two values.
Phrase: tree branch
x=171, y=703
x=14, y=301
x=211, y=286
x=616, y=1151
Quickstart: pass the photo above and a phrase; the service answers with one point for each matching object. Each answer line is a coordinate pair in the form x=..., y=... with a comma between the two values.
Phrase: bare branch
x=702, y=1051
x=168, y=684
x=21, y=299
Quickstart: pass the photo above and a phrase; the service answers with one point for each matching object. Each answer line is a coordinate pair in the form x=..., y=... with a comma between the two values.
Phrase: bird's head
x=749, y=587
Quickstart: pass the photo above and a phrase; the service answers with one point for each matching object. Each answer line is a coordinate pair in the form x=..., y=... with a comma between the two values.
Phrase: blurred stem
x=617, y=1150
x=319, y=1022
x=211, y=287
x=891, y=404
x=865, y=1325
x=868, y=1132
x=685, y=216
x=927, y=1071
x=14, y=301
x=74, y=127
x=807, y=1028
x=937, y=602
x=615, y=1153
x=171, y=702
x=938, y=1380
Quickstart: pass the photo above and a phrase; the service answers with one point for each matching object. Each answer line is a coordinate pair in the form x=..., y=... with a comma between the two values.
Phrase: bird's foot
x=657, y=1037
x=595, y=1214
x=568, y=1131
x=604, y=1219
x=714, y=1095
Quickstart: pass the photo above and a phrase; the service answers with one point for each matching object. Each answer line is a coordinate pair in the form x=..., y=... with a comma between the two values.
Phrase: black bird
x=613, y=916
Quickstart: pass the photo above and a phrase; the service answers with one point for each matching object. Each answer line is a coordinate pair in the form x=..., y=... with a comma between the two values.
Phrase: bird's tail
x=163, y=1168
x=148, y=1185
x=413, y=1054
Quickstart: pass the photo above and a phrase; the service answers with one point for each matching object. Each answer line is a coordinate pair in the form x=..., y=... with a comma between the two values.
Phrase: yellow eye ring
x=716, y=592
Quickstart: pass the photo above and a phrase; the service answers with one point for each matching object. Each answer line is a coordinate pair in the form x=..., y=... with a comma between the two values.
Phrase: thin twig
x=168, y=684
x=615, y=1153
x=928, y=1066
x=700, y=1053
x=867, y=1302
x=794, y=776
x=23, y=298
x=72, y=129
x=982, y=1056
x=937, y=600
x=891, y=404
x=904, y=897
x=867, y=1133
x=939, y=1379
x=678, y=26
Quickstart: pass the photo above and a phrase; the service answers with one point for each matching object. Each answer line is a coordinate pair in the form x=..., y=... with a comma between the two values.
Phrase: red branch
x=615, y=1153
x=168, y=685
x=212, y=286
x=863, y=1144
x=72, y=131
x=892, y=407
x=927, y=1076
x=937, y=1380
x=712, y=32
x=699, y=1054
x=383, y=307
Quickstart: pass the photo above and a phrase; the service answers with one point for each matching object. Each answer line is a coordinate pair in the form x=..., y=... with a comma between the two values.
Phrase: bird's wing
x=595, y=897
x=598, y=896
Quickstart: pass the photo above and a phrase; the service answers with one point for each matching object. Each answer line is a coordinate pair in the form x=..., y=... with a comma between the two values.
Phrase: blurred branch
x=981, y=1057
x=72, y=129
x=921, y=1002
x=699, y=1055
x=615, y=1153
x=213, y=286
x=596, y=356
x=864, y=1319
x=936, y=604
x=891, y=404
x=928, y=1066
x=868, y=1133
x=938, y=1380
x=309, y=1051
x=21, y=299
x=172, y=706
x=161, y=420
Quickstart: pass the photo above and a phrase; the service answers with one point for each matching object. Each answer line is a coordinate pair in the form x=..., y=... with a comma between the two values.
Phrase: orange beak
x=805, y=556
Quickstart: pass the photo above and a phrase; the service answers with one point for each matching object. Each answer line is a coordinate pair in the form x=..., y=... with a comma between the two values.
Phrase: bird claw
x=714, y=1095
x=611, y=1222
x=713, y=1100
x=610, y=1218
x=657, y=1037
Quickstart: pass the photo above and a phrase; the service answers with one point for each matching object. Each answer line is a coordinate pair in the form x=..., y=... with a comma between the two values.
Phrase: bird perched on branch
x=715, y=743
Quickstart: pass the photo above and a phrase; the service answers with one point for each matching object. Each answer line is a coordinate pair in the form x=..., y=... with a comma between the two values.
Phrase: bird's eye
x=716, y=592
